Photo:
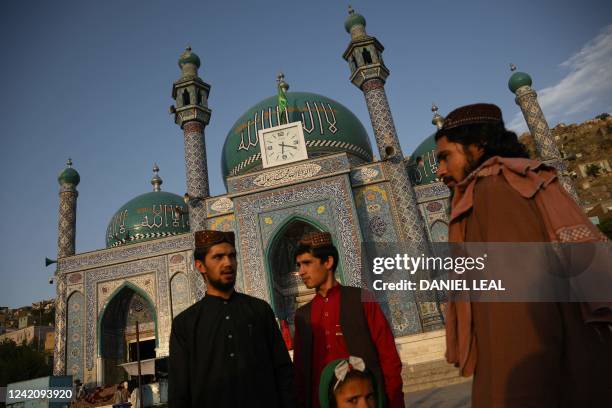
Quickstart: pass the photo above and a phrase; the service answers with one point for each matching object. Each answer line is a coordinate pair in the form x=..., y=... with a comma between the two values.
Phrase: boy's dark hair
x=322, y=253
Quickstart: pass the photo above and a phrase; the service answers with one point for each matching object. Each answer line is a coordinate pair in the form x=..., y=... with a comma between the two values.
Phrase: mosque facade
x=145, y=275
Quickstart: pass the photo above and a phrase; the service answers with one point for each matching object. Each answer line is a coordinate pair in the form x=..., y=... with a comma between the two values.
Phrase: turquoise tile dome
x=152, y=215
x=518, y=80
x=189, y=57
x=352, y=20
x=69, y=176
x=329, y=127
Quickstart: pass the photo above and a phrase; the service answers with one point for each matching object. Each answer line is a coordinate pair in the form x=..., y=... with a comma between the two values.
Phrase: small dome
x=517, y=80
x=422, y=165
x=189, y=57
x=329, y=127
x=153, y=215
x=353, y=19
x=69, y=175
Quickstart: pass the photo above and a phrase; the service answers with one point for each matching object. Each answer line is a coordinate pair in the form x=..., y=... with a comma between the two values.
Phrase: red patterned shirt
x=329, y=344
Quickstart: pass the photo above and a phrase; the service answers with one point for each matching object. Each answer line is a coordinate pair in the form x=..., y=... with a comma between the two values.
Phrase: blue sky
x=91, y=80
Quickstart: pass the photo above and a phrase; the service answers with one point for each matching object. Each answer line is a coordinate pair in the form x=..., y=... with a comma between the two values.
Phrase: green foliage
x=602, y=116
x=592, y=170
x=605, y=226
x=21, y=362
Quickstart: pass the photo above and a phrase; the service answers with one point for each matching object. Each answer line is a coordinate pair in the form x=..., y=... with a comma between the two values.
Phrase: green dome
x=352, y=20
x=424, y=173
x=189, y=57
x=69, y=176
x=517, y=80
x=149, y=216
x=329, y=127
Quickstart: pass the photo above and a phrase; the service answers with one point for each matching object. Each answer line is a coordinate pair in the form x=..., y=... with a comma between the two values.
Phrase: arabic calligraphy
x=156, y=216
x=272, y=117
x=164, y=215
x=288, y=174
x=222, y=205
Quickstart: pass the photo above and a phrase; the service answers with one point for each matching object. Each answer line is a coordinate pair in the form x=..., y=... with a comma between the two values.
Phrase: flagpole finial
x=280, y=80
x=437, y=120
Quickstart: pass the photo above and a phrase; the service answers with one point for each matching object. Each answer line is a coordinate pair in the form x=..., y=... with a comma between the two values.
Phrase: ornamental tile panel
x=366, y=174
x=155, y=270
x=333, y=193
x=74, y=335
x=127, y=253
x=287, y=175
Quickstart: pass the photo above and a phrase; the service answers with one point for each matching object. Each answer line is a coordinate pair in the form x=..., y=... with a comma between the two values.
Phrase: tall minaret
x=368, y=73
x=546, y=148
x=191, y=113
x=68, y=180
x=66, y=233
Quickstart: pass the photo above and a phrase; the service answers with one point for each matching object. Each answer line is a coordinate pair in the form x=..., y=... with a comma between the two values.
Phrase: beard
x=472, y=164
x=221, y=285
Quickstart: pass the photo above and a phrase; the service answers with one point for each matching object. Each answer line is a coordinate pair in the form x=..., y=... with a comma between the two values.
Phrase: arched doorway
x=287, y=290
x=118, y=333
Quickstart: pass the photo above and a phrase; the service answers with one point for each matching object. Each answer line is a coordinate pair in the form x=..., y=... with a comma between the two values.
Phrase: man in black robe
x=226, y=350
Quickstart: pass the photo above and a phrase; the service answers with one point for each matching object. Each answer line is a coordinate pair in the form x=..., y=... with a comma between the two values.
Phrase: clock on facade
x=282, y=144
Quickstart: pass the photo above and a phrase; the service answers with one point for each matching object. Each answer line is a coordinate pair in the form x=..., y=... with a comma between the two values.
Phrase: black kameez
x=228, y=353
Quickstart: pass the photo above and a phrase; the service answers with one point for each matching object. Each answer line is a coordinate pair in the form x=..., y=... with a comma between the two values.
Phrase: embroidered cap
x=316, y=240
x=208, y=238
x=472, y=114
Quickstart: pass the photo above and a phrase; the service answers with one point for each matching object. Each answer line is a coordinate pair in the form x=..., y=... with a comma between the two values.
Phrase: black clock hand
x=284, y=145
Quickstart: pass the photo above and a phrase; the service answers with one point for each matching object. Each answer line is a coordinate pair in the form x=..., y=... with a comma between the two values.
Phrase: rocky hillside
x=588, y=147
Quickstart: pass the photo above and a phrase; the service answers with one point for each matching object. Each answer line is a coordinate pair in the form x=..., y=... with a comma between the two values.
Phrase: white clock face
x=281, y=145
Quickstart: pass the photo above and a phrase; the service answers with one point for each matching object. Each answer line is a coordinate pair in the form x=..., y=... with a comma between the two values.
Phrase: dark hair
x=200, y=252
x=319, y=252
x=366, y=375
x=493, y=138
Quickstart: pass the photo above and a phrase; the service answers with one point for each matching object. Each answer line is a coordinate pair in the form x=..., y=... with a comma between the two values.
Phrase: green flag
x=282, y=99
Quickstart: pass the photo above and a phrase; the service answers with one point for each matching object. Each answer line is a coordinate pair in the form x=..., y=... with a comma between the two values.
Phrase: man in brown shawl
x=521, y=354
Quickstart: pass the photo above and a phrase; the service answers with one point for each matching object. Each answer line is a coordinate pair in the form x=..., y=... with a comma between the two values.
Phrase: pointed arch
x=286, y=290
x=367, y=56
x=111, y=298
x=186, y=98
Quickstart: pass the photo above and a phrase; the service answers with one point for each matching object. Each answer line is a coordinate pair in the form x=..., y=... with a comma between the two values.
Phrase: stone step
x=431, y=374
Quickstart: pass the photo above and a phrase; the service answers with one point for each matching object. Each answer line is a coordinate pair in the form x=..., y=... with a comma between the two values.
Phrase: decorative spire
x=280, y=80
x=354, y=20
x=189, y=62
x=156, y=181
x=438, y=120
x=69, y=175
x=518, y=79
